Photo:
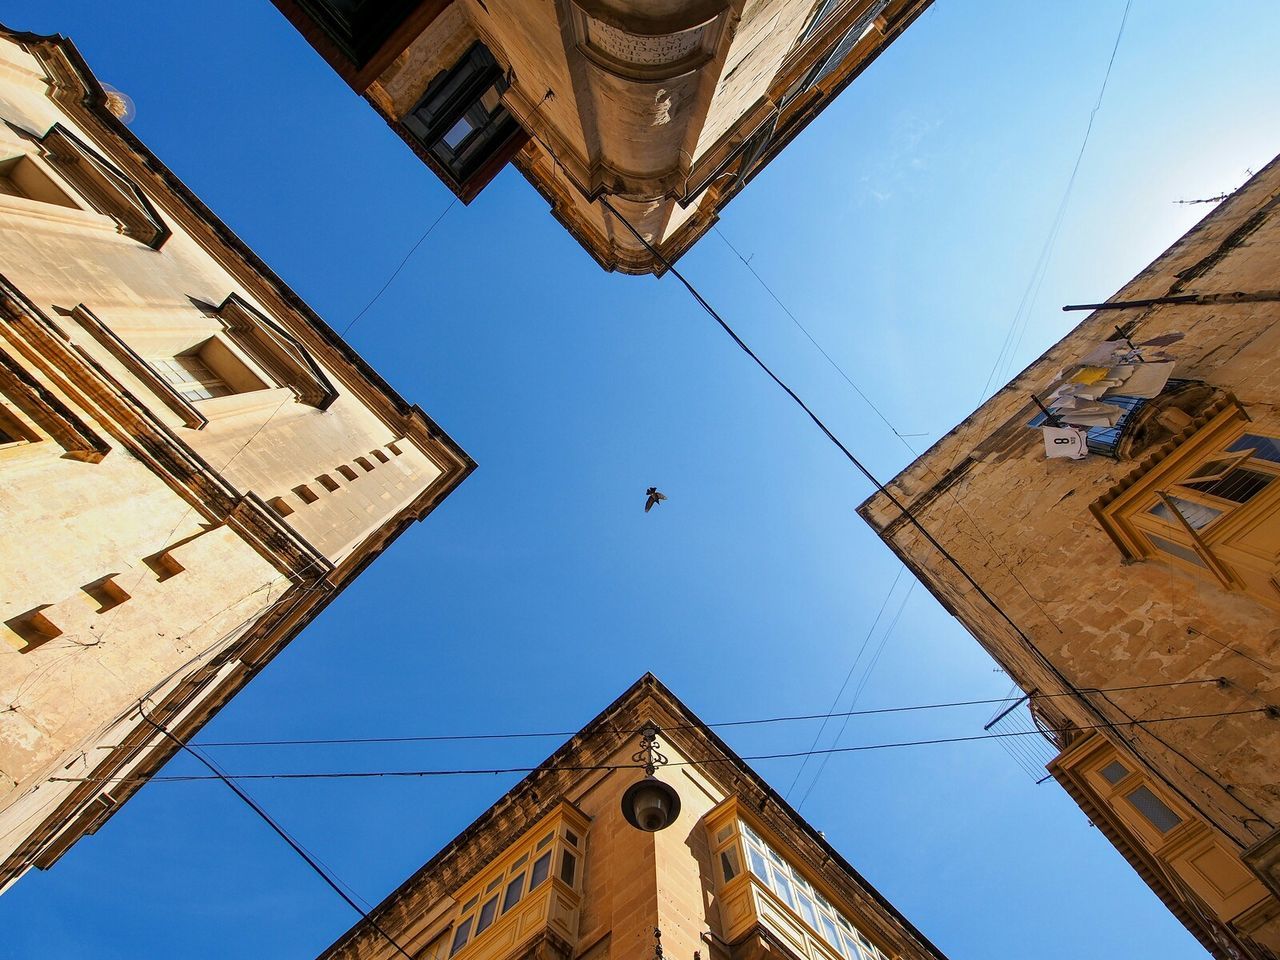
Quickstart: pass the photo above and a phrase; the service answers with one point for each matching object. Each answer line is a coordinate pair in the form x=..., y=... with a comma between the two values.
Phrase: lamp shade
x=650, y=805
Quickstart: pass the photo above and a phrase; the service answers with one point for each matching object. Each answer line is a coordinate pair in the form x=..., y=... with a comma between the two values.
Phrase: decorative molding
x=671, y=50
x=275, y=349
x=162, y=388
x=103, y=186
x=48, y=412
x=149, y=439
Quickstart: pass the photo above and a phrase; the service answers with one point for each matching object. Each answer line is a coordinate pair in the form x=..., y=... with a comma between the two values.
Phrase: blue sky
x=903, y=228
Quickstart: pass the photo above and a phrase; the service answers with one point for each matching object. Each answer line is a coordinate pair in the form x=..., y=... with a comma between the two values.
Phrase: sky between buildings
x=902, y=228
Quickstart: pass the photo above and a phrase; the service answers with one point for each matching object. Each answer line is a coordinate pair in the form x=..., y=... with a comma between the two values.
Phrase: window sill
x=55, y=213
x=240, y=404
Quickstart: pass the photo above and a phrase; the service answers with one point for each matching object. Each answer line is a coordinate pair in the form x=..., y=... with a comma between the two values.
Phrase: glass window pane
x=782, y=887
x=518, y=864
x=1114, y=772
x=457, y=133
x=466, y=907
x=746, y=828
x=460, y=935
x=1175, y=549
x=515, y=889
x=729, y=864
x=1153, y=809
x=494, y=884
x=544, y=841
x=541, y=867
x=568, y=865
x=724, y=833
x=487, y=913
x=807, y=909
x=571, y=838
x=1197, y=515
x=756, y=859
x=850, y=948
x=1264, y=448
x=1238, y=486
x=829, y=930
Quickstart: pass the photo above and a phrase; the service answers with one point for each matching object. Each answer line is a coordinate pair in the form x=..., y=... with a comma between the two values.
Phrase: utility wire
x=847, y=677
x=493, y=771
x=524, y=735
x=831, y=360
x=279, y=830
x=857, y=692
x=396, y=272
x=849, y=455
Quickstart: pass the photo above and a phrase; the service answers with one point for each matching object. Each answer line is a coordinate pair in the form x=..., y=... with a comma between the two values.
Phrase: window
x=729, y=864
x=541, y=867
x=1114, y=772
x=487, y=914
x=1129, y=792
x=512, y=880
x=461, y=120
x=461, y=935
x=1207, y=504
x=1155, y=810
x=191, y=377
x=830, y=62
x=792, y=889
x=568, y=864
x=101, y=185
x=514, y=889
x=22, y=177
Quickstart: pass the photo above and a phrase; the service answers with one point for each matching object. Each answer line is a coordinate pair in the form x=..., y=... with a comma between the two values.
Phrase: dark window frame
x=458, y=94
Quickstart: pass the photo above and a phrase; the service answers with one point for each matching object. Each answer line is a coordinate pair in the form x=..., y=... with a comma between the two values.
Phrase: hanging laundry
x=1085, y=413
x=1146, y=381
x=1107, y=353
x=1087, y=375
x=1069, y=442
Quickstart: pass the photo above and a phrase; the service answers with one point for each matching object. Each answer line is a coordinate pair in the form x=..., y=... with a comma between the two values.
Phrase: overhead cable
x=279, y=830
x=527, y=735
x=493, y=771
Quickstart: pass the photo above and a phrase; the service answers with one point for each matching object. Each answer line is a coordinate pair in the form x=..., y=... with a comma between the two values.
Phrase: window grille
x=1114, y=772
x=1155, y=810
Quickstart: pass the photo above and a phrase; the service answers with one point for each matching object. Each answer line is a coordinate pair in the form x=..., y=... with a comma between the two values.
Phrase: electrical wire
x=857, y=692
x=793, y=755
x=903, y=510
x=396, y=272
x=793, y=718
x=847, y=677
x=284, y=835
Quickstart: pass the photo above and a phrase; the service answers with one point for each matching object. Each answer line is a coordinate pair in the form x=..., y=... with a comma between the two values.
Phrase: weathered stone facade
x=664, y=110
x=698, y=883
x=1142, y=587
x=192, y=464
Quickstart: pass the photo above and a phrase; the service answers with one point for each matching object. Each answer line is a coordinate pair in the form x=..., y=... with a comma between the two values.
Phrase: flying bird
x=654, y=498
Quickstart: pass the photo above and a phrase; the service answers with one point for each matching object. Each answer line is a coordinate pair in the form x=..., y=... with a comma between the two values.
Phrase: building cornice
x=77, y=91
x=539, y=792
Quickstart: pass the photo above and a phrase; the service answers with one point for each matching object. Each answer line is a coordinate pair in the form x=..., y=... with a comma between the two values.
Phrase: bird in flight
x=654, y=498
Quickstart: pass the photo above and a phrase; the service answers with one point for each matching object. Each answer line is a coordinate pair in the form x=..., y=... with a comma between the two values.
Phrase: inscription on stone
x=643, y=50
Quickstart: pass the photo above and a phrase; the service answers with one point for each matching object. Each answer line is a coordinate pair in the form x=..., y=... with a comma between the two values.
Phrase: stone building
x=555, y=870
x=662, y=109
x=192, y=464
x=1141, y=581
